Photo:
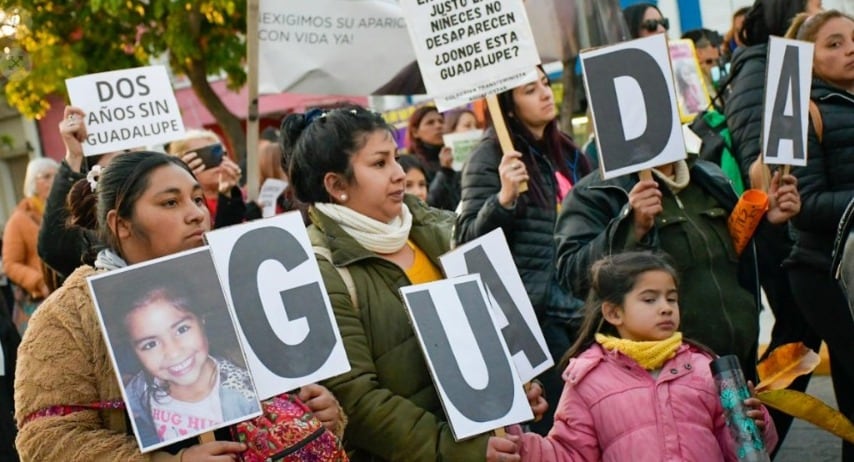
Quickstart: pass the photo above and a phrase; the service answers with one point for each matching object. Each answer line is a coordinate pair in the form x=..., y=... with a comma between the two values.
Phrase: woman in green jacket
x=344, y=163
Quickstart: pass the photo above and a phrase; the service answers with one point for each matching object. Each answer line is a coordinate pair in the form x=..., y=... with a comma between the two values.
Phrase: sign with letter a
x=633, y=102
x=785, y=114
x=513, y=310
x=272, y=281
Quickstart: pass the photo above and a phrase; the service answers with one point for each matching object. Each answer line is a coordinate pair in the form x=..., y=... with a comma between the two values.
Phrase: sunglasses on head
x=652, y=24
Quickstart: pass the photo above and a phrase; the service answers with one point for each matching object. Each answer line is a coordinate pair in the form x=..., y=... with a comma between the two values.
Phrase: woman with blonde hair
x=223, y=196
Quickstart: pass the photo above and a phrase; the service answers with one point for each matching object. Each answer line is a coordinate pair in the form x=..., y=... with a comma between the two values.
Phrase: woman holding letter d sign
x=68, y=401
x=344, y=163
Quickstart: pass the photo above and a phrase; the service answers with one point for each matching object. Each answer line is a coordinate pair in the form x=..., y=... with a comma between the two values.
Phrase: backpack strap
x=815, y=115
x=343, y=271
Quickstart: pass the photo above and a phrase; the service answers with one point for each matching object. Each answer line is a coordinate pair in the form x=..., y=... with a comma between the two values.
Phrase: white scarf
x=680, y=179
x=376, y=236
x=109, y=260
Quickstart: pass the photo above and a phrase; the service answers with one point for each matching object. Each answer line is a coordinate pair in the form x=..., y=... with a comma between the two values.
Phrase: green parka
x=393, y=408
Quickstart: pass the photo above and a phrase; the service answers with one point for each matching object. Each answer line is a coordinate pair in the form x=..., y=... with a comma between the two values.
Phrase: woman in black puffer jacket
x=743, y=109
x=827, y=186
x=550, y=162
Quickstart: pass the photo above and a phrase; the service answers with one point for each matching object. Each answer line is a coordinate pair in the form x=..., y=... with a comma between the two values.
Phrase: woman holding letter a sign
x=827, y=186
x=551, y=164
x=343, y=163
x=68, y=401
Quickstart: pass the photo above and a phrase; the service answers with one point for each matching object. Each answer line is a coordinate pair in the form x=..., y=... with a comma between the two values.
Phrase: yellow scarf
x=650, y=355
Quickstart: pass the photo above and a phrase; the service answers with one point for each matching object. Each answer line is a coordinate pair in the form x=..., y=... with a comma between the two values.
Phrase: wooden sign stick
x=501, y=130
x=207, y=437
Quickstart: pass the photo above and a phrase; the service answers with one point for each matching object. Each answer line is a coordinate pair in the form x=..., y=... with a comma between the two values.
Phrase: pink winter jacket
x=612, y=410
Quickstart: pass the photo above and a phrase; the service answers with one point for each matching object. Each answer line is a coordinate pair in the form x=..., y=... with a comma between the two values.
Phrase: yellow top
x=422, y=269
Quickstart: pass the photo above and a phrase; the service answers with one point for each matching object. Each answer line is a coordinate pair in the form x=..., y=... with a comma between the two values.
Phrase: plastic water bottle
x=732, y=390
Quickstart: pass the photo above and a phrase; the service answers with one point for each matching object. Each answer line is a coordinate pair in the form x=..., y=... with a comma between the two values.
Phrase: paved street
x=806, y=442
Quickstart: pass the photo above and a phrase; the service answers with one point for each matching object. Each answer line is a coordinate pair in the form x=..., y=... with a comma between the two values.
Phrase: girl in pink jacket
x=634, y=390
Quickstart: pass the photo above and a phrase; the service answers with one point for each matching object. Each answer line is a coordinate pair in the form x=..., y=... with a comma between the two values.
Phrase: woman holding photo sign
x=344, y=163
x=68, y=400
x=827, y=186
x=550, y=163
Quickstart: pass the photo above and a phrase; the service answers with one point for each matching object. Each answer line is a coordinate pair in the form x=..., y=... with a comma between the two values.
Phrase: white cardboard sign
x=166, y=322
x=785, y=112
x=468, y=49
x=126, y=109
x=633, y=101
x=270, y=277
x=346, y=47
x=468, y=359
x=270, y=191
x=490, y=257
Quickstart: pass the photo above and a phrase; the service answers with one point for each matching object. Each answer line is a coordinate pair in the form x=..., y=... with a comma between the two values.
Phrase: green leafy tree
x=67, y=38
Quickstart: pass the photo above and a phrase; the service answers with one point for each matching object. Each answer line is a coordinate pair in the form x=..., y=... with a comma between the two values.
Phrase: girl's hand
x=229, y=176
x=215, y=451
x=72, y=129
x=323, y=404
x=784, y=200
x=536, y=400
x=512, y=172
x=755, y=411
x=645, y=201
x=503, y=449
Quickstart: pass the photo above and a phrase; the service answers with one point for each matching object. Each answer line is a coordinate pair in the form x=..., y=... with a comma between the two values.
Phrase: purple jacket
x=613, y=410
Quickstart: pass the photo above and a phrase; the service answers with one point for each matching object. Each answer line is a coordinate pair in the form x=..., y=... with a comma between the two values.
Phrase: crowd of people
x=636, y=281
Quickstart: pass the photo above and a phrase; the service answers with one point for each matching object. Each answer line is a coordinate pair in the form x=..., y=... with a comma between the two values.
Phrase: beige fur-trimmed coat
x=63, y=360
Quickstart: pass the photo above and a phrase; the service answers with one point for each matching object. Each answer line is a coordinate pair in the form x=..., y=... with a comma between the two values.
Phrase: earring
x=343, y=197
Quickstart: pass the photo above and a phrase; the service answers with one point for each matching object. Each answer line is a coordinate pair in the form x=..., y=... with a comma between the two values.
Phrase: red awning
x=196, y=115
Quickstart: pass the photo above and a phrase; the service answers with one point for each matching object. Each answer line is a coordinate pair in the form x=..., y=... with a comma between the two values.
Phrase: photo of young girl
x=174, y=346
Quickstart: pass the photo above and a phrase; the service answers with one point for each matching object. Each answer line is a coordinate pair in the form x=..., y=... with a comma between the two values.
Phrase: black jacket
x=826, y=183
x=743, y=108
x=59, y=246
x=529, y=229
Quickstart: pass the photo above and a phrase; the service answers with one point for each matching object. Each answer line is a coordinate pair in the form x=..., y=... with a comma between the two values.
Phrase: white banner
x=126, y=109
x=468, y=49
x=268, y=273
x=350, y=47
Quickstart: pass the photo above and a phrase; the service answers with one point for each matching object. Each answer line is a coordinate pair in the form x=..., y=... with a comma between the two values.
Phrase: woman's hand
x=194, y=162
x=503, y=449
x=446, y=157
x=537, y=400
x=513, y=173
x=759, y=174
x=229, y=176
x=215, y=451
x=323, y=404
x=645, y=201
x=72, y=130
x=784, y=200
